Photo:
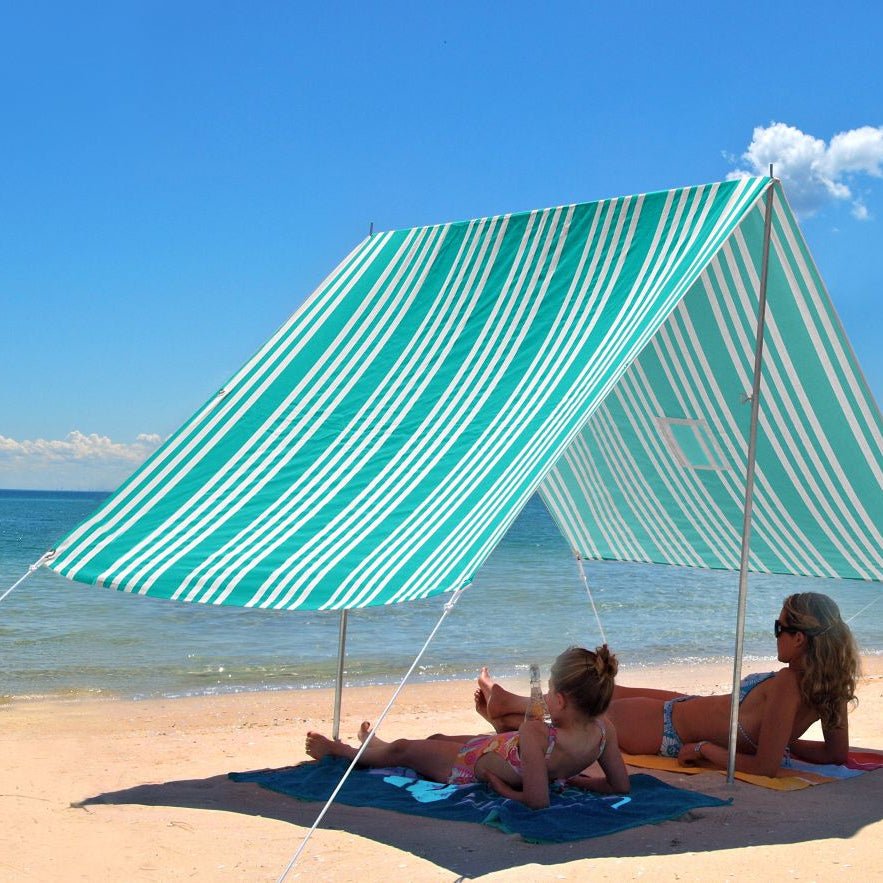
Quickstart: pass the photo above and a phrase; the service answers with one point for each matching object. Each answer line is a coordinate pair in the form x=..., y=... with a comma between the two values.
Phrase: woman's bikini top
x=748, y=683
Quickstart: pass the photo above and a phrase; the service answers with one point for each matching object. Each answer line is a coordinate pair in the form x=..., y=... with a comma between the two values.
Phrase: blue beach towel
x=573, y=815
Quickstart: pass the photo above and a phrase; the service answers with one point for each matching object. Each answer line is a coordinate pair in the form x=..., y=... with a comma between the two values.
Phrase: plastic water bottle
x=536, y=706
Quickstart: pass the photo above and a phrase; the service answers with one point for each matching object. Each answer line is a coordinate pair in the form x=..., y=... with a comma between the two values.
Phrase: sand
x=115, y=790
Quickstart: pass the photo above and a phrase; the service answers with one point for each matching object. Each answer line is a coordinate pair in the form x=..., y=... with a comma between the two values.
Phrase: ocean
x=525, y=605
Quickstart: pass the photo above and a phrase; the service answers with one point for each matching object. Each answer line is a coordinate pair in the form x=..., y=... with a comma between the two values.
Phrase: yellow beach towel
x=786, y=780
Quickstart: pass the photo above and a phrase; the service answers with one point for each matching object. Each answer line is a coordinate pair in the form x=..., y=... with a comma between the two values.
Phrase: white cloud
x=79, y=462
x=814, y=173
x=858, y=150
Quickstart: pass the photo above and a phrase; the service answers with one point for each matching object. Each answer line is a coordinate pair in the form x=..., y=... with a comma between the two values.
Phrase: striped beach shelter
x=605, y=354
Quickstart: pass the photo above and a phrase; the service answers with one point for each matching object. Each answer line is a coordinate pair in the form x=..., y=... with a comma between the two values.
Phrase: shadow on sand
x=757, y=817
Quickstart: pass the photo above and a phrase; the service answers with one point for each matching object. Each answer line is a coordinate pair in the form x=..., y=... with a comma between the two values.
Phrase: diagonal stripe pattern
x=380, y=444
x=657, y=474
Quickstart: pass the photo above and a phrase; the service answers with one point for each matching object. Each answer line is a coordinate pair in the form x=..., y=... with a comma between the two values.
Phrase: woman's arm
x=835, y=748
x=695, y=752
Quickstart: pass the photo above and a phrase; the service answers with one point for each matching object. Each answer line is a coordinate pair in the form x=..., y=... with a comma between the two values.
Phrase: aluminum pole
x=749, y=487
x=338, y=684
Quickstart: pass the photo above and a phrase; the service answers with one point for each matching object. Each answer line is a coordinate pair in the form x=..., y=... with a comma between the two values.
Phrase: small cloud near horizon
x=80, y=461
x=812, y=171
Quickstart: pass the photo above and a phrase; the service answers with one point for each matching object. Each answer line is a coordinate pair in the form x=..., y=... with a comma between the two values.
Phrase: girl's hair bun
x=586, y=676
x=606, y=663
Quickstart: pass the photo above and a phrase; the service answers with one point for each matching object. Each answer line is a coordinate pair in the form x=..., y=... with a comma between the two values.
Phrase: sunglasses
x=778, y=628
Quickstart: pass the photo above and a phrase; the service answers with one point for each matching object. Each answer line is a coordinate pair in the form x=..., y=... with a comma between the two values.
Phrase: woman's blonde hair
x=586, y=678
x=832, y=660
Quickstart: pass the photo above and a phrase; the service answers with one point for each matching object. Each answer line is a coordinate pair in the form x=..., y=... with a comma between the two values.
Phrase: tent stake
x=749, y=488
x=338, y=684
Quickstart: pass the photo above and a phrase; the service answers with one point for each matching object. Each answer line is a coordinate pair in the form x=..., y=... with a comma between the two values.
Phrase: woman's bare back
x=708, y=717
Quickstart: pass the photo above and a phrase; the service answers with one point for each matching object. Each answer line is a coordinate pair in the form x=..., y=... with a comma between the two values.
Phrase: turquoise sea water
x=526, y=604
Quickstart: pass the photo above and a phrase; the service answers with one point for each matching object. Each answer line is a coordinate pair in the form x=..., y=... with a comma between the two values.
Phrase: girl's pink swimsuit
x=504, y=744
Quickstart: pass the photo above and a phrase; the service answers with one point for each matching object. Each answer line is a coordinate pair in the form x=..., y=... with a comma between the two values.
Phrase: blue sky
x=176, y=178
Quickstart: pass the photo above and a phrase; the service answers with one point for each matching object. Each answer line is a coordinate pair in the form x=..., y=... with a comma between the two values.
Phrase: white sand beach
x=157, y=803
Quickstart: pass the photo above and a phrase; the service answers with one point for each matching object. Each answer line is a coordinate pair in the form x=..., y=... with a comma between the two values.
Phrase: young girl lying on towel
x=521, y=763
x=775, y=708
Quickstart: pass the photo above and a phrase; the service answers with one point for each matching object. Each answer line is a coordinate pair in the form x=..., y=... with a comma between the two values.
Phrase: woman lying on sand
x=775, y=709
x=521, y=763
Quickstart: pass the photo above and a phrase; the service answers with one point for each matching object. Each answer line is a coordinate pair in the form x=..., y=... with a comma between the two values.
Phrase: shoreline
x=713, y=675
x=138, y=790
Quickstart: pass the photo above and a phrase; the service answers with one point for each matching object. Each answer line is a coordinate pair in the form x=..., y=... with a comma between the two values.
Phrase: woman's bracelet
x=699, y=746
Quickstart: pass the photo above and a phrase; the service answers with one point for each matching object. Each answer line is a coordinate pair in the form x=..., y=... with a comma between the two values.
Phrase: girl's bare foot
x=505, y=710
x=481, y=704
x=376, y=742
x=496, y=702
x=485, y=682
x=317, y=746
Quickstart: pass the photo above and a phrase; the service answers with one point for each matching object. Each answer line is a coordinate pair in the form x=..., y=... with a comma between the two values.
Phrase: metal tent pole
x=338, y=684
x=749, y=487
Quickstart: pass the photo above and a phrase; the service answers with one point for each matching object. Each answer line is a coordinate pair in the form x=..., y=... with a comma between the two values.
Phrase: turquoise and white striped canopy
x=381, y=443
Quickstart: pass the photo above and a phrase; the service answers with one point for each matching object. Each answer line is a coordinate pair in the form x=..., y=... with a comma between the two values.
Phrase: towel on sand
x=799, y=775
x=573, y=815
